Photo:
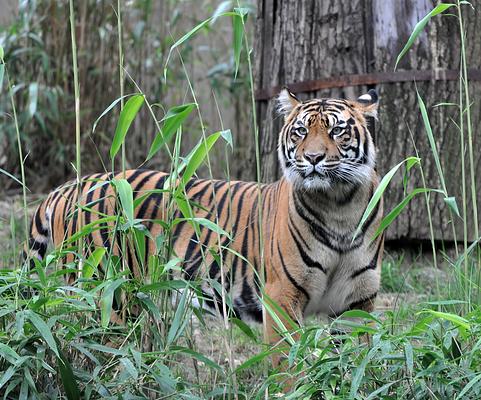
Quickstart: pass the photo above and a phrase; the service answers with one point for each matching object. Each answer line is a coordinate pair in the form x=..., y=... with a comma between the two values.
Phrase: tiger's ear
x=286, y=101
x=368, y=103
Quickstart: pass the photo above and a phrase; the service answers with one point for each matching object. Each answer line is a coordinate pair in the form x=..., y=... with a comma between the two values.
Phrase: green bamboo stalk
x=77, y=119
x=20, y=156
x=464, y=74
x=258, y=177
x=121, y=74
x=464, y=90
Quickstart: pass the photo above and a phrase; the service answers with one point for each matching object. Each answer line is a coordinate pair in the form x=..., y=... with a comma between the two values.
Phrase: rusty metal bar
x=368, y=79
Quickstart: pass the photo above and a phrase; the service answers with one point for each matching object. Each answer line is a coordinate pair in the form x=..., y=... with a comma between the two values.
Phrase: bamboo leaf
x=43, y=330
x=227, y=135
x=127, y=115
x=204, y=222
x=360, y=314
x=440, y=8
x=68, y=378
x=197, y=156
x=112, y=105
x=32, y=98
x=393, y=214
x=126, y=196
x=238, y=31
x=432, y=142
x=129, y=367
x=376, y=197
x=359, y=374
x=451, y=202
x=468, y=386
x=197, y=356
x=2, y=74
x=172, y=121
x=107, y=299
x=179, y=322
x=457, y=320
x=92, y=262
x=254, y=360
x=14, y=178
x=244, y=328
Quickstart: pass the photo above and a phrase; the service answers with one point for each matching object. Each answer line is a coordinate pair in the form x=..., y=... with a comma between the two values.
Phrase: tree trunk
x=312, y=40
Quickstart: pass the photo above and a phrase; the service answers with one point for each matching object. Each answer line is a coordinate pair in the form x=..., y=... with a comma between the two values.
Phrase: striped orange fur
x=312, y=264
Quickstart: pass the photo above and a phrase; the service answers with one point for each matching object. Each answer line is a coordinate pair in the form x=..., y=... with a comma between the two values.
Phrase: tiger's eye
x=302, y=130
x=336, y=130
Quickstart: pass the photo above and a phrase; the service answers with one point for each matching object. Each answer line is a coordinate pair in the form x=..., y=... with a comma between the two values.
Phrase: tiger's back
x=233, y=206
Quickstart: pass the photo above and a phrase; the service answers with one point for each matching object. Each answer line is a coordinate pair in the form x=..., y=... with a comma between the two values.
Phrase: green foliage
x=58, y=339
x=127, y=115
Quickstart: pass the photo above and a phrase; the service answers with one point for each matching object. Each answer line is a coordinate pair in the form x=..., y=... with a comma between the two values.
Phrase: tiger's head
x=325, y=143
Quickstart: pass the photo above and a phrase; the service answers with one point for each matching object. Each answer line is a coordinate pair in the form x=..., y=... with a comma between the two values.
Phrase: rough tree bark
x=309, y=39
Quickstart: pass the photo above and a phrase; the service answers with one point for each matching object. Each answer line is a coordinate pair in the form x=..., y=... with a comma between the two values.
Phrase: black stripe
x=348, y=197
x=372, y=216
x=366, y=146
x=358, y=137
x=66, y=210
x=139, y=186
x=135, y=175
x=195, y=261
x=38, y=223
x=40, y=247
x=290, y=277
x=318, y=232
x=88, y=200
x=214, y=267
x=336, y=242
x=356, y=304
x=275, y=210
x=159, y=184
x=56, y=198
x=371, y=265
x=235, y=226
x=104, y=232
x=292, y=226
x=308, y=261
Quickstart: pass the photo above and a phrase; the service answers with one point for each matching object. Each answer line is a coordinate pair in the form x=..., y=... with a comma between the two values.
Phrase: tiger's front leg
x=291, y=302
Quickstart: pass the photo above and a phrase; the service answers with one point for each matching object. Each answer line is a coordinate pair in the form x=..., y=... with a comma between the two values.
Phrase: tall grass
x=58, y=341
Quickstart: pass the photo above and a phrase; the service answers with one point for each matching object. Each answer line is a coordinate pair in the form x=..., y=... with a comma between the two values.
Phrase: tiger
x=292, y=240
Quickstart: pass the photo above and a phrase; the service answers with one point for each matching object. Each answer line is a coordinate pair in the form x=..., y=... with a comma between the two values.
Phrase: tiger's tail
x=38, y=236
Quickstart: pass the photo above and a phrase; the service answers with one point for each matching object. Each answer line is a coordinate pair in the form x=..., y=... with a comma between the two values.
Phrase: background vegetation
x=57, y=341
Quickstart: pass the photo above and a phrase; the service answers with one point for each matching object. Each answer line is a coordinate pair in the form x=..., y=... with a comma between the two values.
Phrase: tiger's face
x=325, y=143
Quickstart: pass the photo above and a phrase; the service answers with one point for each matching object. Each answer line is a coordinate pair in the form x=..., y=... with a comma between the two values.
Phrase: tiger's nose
x=314, y=158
